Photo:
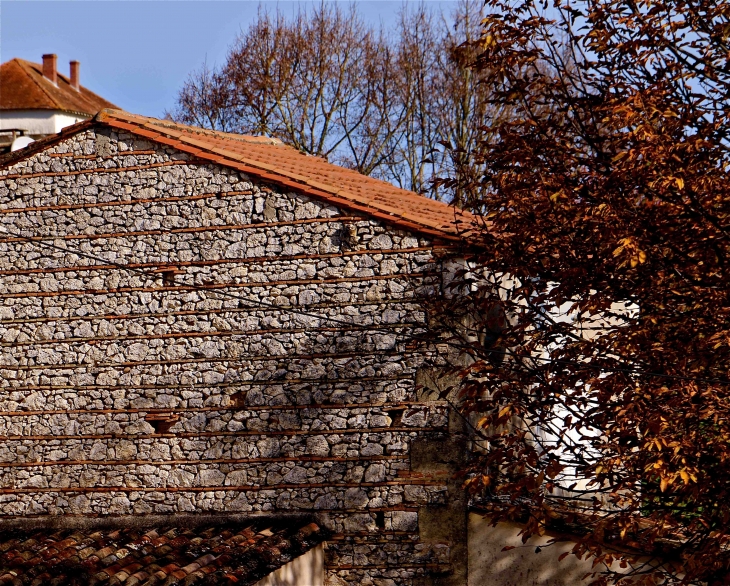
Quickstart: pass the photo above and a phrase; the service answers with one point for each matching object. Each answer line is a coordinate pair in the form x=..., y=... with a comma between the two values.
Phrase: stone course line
x=260, y=358
x=221, y=385
x=158, y=411
x=242, y=488
x=211, y=334
x=156, y=232
x=97, y=157
x=408, y=305
x=218, y=262
x=102, y=170
x=141, y=200
x=256, y=433
x=217, y=287
x=112, y=463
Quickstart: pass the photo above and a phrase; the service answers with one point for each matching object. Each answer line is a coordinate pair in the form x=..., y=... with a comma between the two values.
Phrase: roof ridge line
x=230, y=135
x=159, y=124
x=238, y=137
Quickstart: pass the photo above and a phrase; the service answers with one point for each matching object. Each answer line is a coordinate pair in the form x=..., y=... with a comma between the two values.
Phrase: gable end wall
x=137, y=394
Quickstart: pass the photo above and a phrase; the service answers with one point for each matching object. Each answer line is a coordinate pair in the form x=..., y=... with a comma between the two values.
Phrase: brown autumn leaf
x=608, y=247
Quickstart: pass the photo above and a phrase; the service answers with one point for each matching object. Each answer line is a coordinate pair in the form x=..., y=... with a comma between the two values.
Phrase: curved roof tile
x=223, y=553
x=271, y=161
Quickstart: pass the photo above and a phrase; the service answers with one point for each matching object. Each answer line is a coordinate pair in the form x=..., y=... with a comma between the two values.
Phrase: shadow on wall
x=521, y=566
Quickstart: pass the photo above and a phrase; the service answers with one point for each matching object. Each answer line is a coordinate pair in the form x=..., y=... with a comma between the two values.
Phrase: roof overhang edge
x=306, y=187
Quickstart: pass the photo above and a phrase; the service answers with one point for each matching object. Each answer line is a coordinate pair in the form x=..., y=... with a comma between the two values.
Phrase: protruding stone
x=355, y=498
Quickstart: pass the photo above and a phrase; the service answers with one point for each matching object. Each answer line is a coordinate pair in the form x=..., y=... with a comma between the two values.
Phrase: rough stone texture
x=259, y=358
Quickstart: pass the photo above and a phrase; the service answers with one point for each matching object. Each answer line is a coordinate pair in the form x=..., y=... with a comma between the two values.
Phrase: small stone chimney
x=49, y=68
x=75, y=75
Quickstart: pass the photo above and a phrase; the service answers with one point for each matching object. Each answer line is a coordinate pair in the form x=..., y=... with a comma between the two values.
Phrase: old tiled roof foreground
x=25, y=88
x=218, y=554
x=272, y=161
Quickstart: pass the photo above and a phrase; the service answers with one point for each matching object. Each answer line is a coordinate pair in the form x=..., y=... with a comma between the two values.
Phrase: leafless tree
x=399, y=104
x=202, y=101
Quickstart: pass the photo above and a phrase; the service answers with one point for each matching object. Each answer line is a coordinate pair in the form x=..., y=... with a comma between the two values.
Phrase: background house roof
x=25, y=88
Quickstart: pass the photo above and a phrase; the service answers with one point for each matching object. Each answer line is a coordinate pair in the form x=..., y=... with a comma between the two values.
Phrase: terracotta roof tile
x=271, y=160
x=25, y=88
x=210, y=554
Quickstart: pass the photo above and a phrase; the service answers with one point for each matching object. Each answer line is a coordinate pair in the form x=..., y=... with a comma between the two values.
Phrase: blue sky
x=137, y=54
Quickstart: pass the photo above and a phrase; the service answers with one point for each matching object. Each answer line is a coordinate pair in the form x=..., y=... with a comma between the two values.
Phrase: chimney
x=49, y=68
x=75, y=75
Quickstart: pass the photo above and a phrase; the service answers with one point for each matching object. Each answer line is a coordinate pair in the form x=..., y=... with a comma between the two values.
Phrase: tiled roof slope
x=212, y=554
x=23, y=87
x=271, y=160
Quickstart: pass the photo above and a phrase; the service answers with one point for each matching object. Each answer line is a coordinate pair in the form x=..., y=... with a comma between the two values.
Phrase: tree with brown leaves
x=598, y=340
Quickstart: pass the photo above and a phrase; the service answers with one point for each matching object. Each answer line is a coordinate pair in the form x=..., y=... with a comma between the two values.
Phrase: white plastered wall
x=306, y=570
x=523, y=565
x=36, y=122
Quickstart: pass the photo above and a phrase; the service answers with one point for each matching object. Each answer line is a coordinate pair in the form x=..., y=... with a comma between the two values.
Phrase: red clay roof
x=23, y=87
x=239, y=554
x=273, y=161
x=270, y=160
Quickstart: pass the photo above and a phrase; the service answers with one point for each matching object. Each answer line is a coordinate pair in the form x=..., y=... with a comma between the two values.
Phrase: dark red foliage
x=603, y=406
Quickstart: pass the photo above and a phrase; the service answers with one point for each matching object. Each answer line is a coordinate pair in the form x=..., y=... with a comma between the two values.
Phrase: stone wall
x=255, y=354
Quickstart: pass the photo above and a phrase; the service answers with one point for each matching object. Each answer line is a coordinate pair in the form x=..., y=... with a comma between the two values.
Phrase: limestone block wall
x=176, y=337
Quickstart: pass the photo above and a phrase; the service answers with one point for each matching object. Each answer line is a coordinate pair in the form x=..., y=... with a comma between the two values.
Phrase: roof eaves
x=76, y=112
x=49, y=109
x=43, y=143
